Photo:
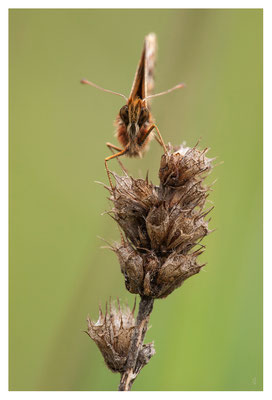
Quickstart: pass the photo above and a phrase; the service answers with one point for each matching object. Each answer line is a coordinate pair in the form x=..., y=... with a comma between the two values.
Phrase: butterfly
x=134, y=122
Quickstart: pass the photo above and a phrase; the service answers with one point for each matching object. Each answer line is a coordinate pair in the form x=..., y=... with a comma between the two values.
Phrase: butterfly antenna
x=179, y=86
x=85, y=82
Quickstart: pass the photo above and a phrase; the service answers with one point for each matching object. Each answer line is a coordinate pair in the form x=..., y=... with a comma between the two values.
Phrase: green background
x=208, y=333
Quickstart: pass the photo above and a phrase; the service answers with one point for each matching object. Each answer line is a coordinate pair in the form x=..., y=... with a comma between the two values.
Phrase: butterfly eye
x=124, y=114
x=143, y=116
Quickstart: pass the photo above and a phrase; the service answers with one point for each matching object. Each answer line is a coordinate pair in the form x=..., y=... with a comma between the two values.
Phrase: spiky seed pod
x=162, y=224
x=112, y=333
x=131, y=266
x=176, y=269
x=183, y=165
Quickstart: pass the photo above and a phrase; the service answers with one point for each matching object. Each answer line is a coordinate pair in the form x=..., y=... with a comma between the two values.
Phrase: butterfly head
x=134, y=114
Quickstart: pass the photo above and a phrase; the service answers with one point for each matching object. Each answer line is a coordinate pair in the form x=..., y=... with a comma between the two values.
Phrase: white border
x=133, y=4
x=267, y=179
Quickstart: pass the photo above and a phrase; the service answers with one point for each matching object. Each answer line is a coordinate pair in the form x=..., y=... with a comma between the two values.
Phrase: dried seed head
x=175, y=270
x=182, y=165
x=112, y=333
x=132, y=200
x=162, y=224
x=131, y=266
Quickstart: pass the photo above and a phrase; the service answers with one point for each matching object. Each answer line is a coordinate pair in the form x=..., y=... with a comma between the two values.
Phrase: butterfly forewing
x=143, y=83
x=150, y=59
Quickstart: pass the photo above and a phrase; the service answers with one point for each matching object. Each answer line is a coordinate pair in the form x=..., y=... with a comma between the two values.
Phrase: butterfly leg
x=159, y=138
x=113, y=147
x=110, y=158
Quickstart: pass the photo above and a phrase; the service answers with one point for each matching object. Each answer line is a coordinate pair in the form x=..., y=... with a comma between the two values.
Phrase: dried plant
x=162, y=229
x=113, y=332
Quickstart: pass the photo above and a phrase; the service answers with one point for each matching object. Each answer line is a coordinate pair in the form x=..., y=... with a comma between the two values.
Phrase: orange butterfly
x=134, y=121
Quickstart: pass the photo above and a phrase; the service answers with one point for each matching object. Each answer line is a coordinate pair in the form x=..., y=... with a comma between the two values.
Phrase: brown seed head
x=162, y=224
x=182, y=165
x=112, y=333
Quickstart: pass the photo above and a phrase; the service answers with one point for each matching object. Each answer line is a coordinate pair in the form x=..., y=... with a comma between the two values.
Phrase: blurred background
x=208, y=333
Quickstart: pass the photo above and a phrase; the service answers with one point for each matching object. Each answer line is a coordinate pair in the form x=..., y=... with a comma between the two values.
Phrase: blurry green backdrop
x=208, y=333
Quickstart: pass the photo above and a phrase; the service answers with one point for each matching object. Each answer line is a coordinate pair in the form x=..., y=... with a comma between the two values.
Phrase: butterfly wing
x=143, y=83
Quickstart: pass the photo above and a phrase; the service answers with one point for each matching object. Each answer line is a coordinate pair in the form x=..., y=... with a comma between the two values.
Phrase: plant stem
x=133, y=364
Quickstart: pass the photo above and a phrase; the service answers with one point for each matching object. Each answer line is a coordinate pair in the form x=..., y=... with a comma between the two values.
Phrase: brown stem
x=134, y=362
